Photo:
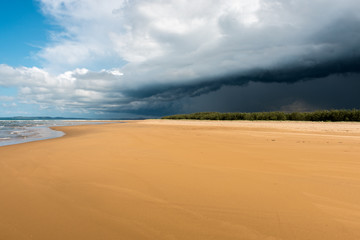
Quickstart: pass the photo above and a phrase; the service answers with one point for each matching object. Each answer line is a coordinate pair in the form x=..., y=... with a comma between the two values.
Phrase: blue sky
x=148, y=58
x=23, y=31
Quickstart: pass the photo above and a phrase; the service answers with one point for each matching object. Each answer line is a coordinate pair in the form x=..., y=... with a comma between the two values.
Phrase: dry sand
x=184, y=180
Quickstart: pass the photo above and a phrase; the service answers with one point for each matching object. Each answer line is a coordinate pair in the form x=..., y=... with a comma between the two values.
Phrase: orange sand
x=184, y=180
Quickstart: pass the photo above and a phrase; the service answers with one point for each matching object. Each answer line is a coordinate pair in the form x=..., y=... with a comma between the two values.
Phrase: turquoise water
x=20, y=131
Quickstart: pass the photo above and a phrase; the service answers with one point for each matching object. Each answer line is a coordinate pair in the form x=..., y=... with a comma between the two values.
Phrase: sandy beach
x=167, y=179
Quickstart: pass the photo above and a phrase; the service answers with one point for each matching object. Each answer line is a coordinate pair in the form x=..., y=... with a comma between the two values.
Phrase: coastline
x=44, y=131
x=170, y=179
x=23, y=131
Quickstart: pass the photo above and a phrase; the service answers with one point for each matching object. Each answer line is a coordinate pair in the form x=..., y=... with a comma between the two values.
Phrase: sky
x=150, y=58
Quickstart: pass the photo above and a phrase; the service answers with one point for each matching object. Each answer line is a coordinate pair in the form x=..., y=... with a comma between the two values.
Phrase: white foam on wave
x=21, y=131
x=31, y=134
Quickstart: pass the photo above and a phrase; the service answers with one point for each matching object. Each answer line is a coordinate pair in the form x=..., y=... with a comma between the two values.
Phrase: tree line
x=323, y=116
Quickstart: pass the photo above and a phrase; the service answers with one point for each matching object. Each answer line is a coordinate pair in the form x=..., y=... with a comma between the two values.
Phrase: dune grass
x=323, y=116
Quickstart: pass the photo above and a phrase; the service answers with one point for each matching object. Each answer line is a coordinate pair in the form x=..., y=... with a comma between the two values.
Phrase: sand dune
x=158, y=179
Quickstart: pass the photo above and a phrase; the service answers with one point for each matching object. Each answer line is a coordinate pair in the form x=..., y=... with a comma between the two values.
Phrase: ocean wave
x=20, y=131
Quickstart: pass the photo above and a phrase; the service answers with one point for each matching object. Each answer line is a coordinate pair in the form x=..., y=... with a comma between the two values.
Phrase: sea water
x=20, y=131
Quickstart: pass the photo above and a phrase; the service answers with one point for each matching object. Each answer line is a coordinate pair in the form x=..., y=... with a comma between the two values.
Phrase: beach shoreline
x=183, y=179
x=21, y=131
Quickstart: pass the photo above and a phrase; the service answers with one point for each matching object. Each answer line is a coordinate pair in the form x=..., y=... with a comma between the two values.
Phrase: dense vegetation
x=324, y=116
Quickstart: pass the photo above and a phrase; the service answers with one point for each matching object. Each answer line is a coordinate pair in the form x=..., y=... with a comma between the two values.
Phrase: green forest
x=322, y=116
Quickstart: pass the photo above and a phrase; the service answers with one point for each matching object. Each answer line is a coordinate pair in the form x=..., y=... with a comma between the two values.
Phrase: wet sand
x=159, y=179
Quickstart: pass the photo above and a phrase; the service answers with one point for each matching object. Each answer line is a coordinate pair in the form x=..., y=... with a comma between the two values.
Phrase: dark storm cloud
x=283, y=74
x=161, y=99
x=332, y=92
x=340, y=55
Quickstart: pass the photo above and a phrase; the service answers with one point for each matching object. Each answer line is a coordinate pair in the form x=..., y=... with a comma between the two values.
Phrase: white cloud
x=137, y=31
x=175, y=40
x=80, y=88
x=7, y=105
x=6, y=98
